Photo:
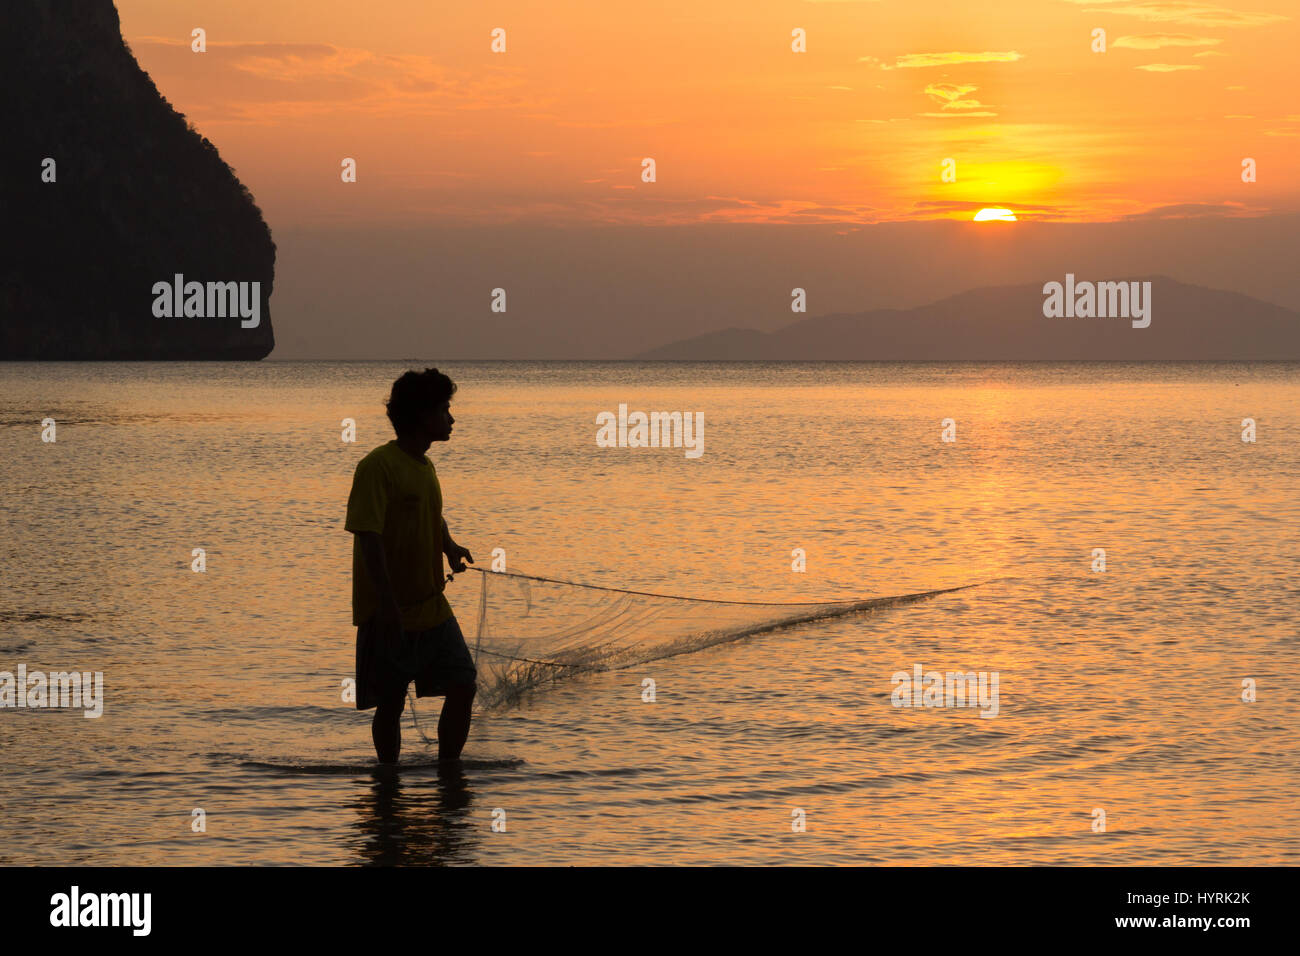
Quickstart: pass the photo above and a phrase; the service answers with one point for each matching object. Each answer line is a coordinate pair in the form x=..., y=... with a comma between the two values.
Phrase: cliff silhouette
x=139, y=197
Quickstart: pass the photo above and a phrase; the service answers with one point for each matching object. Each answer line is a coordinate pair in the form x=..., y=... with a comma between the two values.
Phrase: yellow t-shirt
x=399, y=497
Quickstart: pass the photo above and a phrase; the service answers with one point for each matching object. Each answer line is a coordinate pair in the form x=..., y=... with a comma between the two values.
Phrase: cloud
x=643, y=206
x=958, y=115
x=912, y=61
x=928, y=208
x=960, y=205
x=1167, y=67
x=1157, y=41
x=261, y=82
x=948, y=92
x=1186, y=12
x=1289, y=130
x=1190, y=210
x=1209, y=53
x=733, y=209
x=826, y=211
x=950, y=96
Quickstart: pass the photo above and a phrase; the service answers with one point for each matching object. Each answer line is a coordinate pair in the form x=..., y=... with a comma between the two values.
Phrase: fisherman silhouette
x=406, y=630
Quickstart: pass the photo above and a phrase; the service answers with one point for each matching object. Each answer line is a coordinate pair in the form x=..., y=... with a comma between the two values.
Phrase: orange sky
x=742, y=129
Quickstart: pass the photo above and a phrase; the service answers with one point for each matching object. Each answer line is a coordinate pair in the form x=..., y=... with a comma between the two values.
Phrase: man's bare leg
x=386, y=728
x=453, y=723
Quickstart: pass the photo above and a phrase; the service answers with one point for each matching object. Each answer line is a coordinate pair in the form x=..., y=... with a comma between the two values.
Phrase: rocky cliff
x=137, y=198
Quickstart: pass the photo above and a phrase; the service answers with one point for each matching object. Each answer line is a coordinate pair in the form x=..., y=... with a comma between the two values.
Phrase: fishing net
x=533, y=630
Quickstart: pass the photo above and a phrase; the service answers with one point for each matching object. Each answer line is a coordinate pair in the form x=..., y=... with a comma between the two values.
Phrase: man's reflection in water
x=420, y=819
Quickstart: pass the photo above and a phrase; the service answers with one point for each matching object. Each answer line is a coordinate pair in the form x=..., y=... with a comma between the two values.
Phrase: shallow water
x=1119, y=691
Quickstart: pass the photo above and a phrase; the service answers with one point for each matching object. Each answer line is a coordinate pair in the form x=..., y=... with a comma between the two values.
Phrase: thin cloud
x=949, y=92
x=944, y=208
x=963, y=205
x=950, y=95
x=1190, y=210
x=261, y=82
x=1167, y=67
x=1287, y=131
x=1158, y=41
x=913, y=61
x=1185, y=12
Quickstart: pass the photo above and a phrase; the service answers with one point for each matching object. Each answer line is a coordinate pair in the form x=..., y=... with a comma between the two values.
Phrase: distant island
x=107, y=195
x=1007, y=323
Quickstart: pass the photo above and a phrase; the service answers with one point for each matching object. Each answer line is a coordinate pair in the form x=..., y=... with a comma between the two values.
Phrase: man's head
x=419, y=406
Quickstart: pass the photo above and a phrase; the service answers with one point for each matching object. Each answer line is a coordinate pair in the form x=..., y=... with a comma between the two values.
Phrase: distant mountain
x=1007, y=323
x=133, y=198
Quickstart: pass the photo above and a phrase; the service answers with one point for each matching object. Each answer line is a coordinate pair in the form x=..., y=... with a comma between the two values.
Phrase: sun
x=1000, y=215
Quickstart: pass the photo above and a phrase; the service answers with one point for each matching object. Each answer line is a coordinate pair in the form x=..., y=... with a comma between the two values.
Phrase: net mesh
x=533, y=630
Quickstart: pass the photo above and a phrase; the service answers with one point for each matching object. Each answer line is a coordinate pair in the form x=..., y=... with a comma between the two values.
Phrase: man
x=406, y=630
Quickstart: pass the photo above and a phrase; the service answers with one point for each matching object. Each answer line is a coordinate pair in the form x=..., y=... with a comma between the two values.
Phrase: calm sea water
x=1119, y=691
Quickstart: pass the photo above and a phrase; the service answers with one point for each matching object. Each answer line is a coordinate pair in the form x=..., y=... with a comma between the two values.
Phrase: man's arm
x=456, y=555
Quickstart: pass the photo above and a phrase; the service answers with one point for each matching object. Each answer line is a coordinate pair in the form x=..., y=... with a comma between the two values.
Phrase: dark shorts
x=436, y=660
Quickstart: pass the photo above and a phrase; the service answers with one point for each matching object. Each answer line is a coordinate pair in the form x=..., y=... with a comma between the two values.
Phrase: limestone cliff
x=138, y=197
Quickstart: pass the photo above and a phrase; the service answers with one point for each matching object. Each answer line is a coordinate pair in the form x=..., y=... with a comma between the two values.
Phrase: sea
x=1129, y=532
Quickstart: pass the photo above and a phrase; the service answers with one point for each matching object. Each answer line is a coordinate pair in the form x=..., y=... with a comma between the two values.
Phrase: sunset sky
x=742, y=128
x=775, y=169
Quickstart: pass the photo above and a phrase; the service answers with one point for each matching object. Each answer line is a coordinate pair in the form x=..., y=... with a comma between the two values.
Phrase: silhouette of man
x=406, y=630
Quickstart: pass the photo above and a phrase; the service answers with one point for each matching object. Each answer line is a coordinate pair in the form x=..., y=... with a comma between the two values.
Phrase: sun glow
x=1000, y=215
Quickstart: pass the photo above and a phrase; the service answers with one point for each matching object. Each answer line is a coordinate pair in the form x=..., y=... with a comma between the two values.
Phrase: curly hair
x=414, y=393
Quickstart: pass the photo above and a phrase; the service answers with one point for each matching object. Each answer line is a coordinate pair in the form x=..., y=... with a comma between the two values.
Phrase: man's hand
x=457, y=556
